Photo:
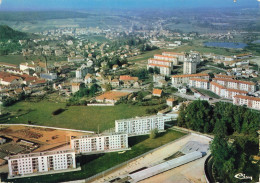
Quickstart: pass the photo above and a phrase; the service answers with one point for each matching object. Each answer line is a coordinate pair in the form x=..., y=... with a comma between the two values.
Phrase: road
x=158, y=156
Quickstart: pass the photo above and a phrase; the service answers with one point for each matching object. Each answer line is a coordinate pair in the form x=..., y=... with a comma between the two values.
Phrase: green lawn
x=209, y=93
x=74, y=117
x=12, y=59
x=94, y=164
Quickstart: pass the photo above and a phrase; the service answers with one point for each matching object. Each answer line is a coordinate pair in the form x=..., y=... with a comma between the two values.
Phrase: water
x=256, y=42
x=226, y=45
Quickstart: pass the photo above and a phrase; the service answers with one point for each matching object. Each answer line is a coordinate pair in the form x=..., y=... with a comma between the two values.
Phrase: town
x=128, y=102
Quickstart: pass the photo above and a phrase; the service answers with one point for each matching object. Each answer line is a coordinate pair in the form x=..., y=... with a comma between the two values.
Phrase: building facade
x=178, y=80
x=99, y=143
x=199, y=83
x=189, y=67
x=251, y=102
x=43, y=162
x=140, y=125
x=236, y=84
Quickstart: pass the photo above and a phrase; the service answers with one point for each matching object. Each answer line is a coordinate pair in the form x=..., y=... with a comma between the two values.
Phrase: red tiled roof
x=216, y=84
x=158, y=65
x=190, y=75
x=198, y=79
x=222, y=76
x=238, y=91
x=173, y=53
x=157, y=91
x=247, y=97
x=112, y=95
x=127, y=78
x=155, y=59
x=164, y=56
x=235, y=81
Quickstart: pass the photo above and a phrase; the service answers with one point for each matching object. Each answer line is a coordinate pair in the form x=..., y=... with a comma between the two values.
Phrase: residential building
x=199, y=83
x=236, y=84
x=251, y=102
x=88, y=79
x=189, y=67
x=42, y=162
x=140, y=125
x=170, y=102
x=112, y=96
x=178, y=80
x=157, y=92
x=180, y=56
x=75, y=87
x=172, y=59
x=218, y=89
x=115, y=83
x=127, y=81
x=81, y=72
x=2, y=140
x=99, y=143
x=230, y=93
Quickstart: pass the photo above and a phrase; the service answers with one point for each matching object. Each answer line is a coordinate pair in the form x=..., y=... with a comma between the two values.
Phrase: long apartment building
x=178, y=80
x=199, y=83
x=99, y=143
x=180, y=56
x=164, y=66
x=236, y=84
x=225, y=92
x=164, y=63
x=251, y=102
x=140, y=125
x=42, y=162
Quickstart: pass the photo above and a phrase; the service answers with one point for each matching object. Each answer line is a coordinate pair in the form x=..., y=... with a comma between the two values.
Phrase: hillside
x=7, y=32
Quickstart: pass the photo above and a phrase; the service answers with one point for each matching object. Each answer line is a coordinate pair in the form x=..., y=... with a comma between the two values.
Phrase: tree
x=108, y=87
x=154, y=133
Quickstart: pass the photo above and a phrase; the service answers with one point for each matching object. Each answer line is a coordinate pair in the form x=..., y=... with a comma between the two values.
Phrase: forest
x=235, y=136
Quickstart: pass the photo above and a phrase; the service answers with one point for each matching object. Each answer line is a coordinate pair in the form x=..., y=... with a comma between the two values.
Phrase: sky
x=122, y=4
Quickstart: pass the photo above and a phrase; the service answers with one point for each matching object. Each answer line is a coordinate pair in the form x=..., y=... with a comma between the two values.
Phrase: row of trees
x=235, y=135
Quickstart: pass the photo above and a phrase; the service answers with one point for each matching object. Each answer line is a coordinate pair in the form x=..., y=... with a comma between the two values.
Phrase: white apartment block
x=230, y=93
x=180, y=56
x=236, y=84
x=251, y=102
x=178, y=80
x=90, y=144
x=42, y=162
x=140, y=125
x=218, y=89
x=189, y=67
x=199, y=83
x=173, y=59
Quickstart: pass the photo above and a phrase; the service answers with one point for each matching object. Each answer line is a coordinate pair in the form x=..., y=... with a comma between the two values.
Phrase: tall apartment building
x=189, y=67
x=178, y=80
x=236, y=84
x=81, y=72
x=42, y=162
x=173, y=59
x=251, y=102
x=140, y=125
x=99, y=143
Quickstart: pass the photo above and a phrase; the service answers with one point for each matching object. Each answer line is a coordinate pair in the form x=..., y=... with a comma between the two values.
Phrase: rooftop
x=247, y=97
x=190, y=75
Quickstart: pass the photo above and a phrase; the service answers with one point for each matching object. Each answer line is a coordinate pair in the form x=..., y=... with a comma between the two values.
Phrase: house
x=115, y=67
x=75, y=87
x=115, y=83
x=88, y=79
x=111, y=96
x=2, y=140
x=157, y=92
x=157, y=78
x=38, y=83
x=170, y=102
x=11, y=80
x=127, y=80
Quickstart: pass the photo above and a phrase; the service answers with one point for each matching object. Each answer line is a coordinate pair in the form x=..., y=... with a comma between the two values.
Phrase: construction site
x=23, y=139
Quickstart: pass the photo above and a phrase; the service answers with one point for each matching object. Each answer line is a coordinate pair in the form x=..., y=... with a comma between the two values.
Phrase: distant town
x=129, y=103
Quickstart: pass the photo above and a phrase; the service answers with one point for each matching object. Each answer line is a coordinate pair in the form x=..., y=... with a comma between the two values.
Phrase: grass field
x=74, y=117
x=12, y=59
x=94, y=164
x=209, y=93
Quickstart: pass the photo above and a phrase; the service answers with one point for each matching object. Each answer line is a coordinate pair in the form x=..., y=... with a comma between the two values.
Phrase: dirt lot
x=47, y=138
